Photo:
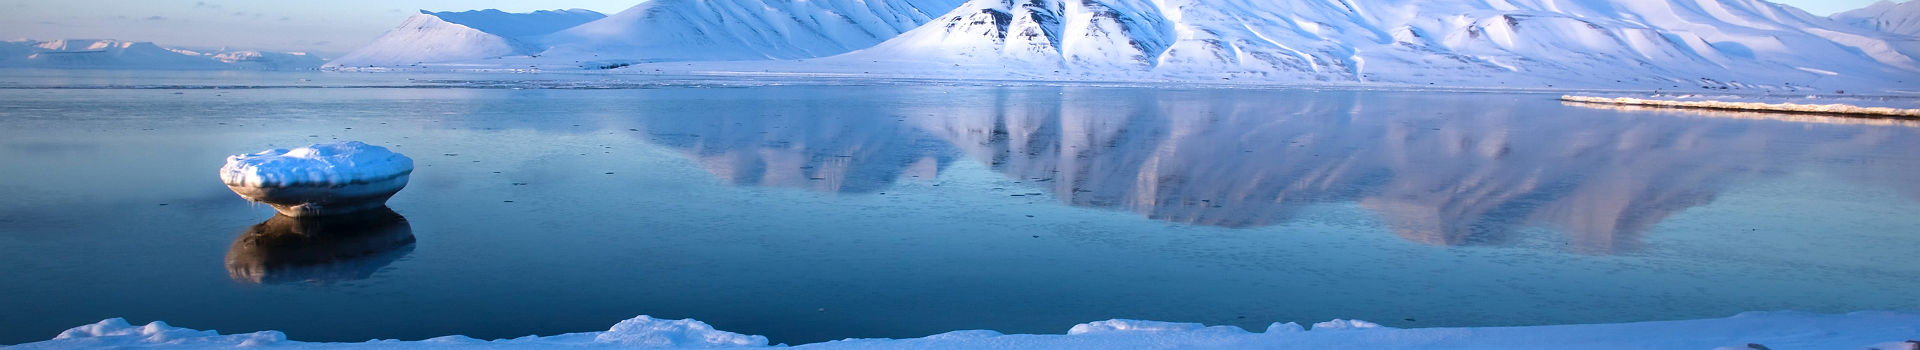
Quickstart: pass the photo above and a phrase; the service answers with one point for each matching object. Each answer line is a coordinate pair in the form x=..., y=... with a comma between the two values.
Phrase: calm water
x=810, y=213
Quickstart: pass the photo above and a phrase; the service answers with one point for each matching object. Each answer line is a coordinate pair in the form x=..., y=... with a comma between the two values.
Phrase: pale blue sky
x=328, y=28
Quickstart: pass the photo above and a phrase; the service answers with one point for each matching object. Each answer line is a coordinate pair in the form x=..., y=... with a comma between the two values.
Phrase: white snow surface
x=431, y=37
x=719, y=30
x=336, y=163
x=116, y=54
x=1515, y=43
x=1898, y=18
x=1510, y=44
x=1776, y=330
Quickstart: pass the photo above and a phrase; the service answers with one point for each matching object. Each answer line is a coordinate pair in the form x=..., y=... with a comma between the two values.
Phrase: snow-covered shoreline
x=1752, y=105
x=1776, y=330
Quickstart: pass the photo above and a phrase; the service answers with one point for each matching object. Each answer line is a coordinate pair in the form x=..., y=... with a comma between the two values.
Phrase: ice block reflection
x=324, y=249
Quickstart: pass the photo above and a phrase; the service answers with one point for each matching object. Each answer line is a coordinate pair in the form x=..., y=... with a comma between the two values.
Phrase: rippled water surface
x=810, y=212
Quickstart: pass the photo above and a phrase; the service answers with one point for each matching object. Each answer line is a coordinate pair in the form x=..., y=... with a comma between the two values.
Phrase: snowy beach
x=1770, y=330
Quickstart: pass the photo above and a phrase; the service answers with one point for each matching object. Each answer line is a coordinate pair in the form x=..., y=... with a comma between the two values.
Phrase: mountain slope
x=456, y=36
x=1512, y=42
x=679, y=30
x=1900, y=18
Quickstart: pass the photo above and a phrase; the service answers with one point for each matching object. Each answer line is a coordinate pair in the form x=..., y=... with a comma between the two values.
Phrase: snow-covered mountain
x=115, y=54
x=682, y=30
x=1898, y=18
x=1520, y=42
x=430, y=37
x=1486, y=43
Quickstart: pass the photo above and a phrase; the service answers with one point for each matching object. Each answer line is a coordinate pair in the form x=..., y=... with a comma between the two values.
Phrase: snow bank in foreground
x=1775, y=330
x=333, y=164
x=1758, y=104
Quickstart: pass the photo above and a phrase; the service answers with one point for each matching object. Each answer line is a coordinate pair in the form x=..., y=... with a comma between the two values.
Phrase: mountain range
x=116, y=54
x=1716, y=44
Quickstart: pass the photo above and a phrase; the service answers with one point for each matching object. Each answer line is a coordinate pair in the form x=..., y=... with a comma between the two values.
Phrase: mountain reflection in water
x=323, y=249
x=1438, y=168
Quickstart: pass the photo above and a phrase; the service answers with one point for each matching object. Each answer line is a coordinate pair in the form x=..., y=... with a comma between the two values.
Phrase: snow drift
x=1780, y=330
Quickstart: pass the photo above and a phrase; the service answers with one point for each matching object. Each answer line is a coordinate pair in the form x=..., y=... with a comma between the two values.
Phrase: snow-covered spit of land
x=1533, y=44
x=1843, y=105
x=1753, y=330
x=117, y=54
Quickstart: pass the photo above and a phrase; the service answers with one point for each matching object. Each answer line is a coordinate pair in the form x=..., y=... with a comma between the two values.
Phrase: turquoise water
x=810, y=212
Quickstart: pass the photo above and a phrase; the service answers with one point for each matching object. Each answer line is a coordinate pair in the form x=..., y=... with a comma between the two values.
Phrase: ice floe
x=322, y=179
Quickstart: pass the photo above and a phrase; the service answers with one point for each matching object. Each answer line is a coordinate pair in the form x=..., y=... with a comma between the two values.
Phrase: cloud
x=156, y=18
x=203, y=4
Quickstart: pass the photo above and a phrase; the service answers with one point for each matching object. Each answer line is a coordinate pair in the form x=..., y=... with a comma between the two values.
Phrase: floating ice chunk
x=646, y=331
x=1282, y=328
x=1345, y=324
x=322, y=179
x=335, y=163
x=1117, y=325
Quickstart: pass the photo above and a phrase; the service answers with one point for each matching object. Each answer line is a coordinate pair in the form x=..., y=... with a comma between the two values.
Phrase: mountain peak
x=465, y=35
x=1887, y=16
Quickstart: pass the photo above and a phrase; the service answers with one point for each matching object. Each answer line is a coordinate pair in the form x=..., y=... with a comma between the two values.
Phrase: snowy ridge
x=1712, y=43
x=1783, y=330
x=116, y=54
x=1041, y=32
x=1887, y=16
x=1509, y=44
x=684, y=30
x=1752, y=106
x=430, y=37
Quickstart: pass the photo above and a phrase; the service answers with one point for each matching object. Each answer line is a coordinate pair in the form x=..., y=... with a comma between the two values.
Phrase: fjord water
x=816, y=212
